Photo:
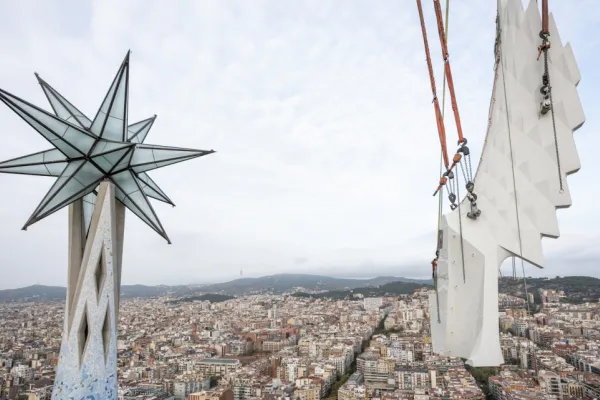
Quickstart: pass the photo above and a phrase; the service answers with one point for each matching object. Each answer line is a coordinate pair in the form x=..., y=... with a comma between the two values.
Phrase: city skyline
x=266, y=346
x=318, y=168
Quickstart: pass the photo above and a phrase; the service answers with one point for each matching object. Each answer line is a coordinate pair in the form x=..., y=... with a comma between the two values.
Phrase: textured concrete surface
x=87, y=365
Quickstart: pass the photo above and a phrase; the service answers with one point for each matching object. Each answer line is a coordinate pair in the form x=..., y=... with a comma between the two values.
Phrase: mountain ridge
x=275, y=283
x=287, y=282
x=577, y=288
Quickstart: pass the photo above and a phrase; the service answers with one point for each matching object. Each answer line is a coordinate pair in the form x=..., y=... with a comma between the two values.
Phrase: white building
x=372, y=303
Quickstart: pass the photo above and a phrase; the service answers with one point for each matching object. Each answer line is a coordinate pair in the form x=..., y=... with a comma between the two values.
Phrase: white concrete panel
x=517, y=184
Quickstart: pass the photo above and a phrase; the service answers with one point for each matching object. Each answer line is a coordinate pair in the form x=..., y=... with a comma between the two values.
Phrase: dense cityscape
x=293, y=346
x=327, y=161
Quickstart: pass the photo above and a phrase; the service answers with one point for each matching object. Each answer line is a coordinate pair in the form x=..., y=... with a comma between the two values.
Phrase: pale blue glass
x=86, y=153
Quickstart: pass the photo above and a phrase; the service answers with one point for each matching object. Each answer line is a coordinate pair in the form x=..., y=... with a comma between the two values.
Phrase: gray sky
x=321, y=115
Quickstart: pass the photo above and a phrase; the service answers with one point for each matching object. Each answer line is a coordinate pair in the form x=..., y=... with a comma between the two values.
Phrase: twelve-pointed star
x=87, y=152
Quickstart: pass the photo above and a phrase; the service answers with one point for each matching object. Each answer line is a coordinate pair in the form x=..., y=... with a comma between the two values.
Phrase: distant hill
x=213, y=298
x=578, y=289
x=57, y=293
x=273, y=283
x=389, y=289
x=287, y=282
x=34, y=293
x=135, y=291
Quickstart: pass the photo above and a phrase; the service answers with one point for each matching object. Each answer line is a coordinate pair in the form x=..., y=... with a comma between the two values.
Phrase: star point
x=86, y=152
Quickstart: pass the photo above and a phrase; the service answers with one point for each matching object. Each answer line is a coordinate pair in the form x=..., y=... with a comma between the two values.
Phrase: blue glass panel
x=111, y=120
x=142, y=156
x=62, y=107
x=124, y=163
x=136, y=200
x=151, y=166
x=125, y=182
x=127, y=202
x=118, y=108
x=43, y=163
x=114, y=156
x=103, y=163
x=138, y=132
x=151, y=188
x=106, y=161
x=89, y=201
x=141, y=201
x=49, y=135
x=34, y=164
x=53, y=155
x=41, y=157
x=104, y=146
x=81, y=141
x=55, y=169
x=71, y=168
x=78, y=184
x=148, y=157
x=75, y=142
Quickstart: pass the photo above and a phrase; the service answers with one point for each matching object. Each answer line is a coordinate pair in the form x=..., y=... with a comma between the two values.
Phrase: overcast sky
x=320, y=112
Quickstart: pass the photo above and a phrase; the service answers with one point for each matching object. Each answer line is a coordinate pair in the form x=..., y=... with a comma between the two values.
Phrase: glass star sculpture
x=88, y=151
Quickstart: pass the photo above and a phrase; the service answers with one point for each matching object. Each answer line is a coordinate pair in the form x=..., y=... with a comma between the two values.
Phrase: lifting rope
x=448, y=176
x=447, y=70
x=436, y=105
x=441, y=198
x=546, y=89
x=462, y=242
x=455, y=200
x=444, y=152
x=439, y=238
x=463, y=153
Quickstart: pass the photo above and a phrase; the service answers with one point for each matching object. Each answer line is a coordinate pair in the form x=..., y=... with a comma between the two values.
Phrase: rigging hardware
x=547, y=103
x=463, y=151
x=441, y=198
x=440, y=235
x=451, y=190
x=441, y=133
x=442, y=183
x=435, y=285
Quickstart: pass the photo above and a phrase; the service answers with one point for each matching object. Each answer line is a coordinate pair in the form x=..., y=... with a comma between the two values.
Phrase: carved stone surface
x=87, y=366
x=517, y=184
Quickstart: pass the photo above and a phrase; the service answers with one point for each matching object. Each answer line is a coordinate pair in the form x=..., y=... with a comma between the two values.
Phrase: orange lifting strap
x=448, y=71
x=545, y=30
x=436, y=105
x=455, y=161
x=545, y=16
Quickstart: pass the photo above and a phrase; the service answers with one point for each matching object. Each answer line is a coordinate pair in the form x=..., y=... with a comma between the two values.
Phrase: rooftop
x=219, y=361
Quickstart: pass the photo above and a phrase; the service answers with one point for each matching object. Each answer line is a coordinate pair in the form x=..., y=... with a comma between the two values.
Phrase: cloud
x=300, y=260
x=320, y=112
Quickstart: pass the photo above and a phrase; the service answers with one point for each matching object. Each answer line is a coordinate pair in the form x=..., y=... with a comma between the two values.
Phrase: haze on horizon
x=320, y=113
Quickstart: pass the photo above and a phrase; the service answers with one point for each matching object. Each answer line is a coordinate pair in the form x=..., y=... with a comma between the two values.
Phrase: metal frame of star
x=86, y=152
